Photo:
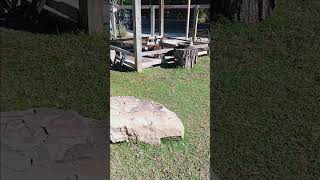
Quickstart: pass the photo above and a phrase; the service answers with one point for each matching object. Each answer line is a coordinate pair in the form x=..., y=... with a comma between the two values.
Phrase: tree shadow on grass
x=121, y=68
x=169, y=65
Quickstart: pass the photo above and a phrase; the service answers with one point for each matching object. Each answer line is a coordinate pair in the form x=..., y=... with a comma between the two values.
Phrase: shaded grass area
x=66, y=71
x=185, y=92
x=266, y=95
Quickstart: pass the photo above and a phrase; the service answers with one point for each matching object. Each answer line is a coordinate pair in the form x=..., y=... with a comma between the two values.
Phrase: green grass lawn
x=185, y=92
x=266, y=95
x=66, y=71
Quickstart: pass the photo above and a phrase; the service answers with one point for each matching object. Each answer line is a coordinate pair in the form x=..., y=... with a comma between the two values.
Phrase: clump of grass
x=202, y=16
x=122, y=31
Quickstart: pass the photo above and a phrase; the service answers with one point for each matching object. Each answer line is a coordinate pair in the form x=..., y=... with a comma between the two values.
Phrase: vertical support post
x=92, y=15
x=114, y=26
x=195, y=22
x=161, y=17
x=152, y=19
x=137, y=35
x=188, y=20
x=113, y=22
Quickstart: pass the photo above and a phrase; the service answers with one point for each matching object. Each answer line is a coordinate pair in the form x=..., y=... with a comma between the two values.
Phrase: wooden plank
x=168, y=45
x=161, y=51
x=112, y=55
x=130, y=62
x=202, y=6
x=54, y=11
x=200, y=46
x=188, y=20
x=177, y=38
x=137, y=35
x=130, y=38
x=41, y=5
x=153, y=18
x=152, y=62
x=92, y=15
x=161, y=11
x=201, y=53
x=195, y=23
x=146, y=62
x=121, y=50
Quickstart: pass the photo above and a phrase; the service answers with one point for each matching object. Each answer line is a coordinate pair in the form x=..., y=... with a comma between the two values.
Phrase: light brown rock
x=146, y=121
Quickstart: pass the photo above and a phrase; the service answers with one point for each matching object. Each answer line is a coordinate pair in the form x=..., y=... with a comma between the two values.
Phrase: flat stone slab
x=141, y=120
x=48, y=143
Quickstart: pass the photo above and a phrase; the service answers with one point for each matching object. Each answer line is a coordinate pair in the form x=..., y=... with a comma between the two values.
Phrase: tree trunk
x=186, y=57
x=247, y=11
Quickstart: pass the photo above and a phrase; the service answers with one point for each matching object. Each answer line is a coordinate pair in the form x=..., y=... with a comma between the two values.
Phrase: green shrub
x=122, y=31
x=202, y=16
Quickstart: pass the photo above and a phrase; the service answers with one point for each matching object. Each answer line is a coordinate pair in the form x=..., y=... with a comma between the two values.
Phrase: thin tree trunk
x=247, y=11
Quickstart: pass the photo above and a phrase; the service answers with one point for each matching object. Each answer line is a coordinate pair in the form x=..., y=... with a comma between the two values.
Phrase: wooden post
x=195, y=22
x=92, y=15
x=137, y=34
x=188, y=20
x=161, y=17
x=152, y=19
x=113, y=22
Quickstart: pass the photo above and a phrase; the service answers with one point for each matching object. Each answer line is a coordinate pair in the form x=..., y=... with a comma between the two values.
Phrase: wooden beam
x=167, y=45
x=137, y=34
x=146, y=62
x=92, y=15
x=161, y=17
x=202, y=6
x=41, y=5
x=195, y=23
x=151, y=62
x=201, y=53
x=58, y=13
x=177, y=38
x=121, y=50
x=153, y=18
x=201, y=46
x=188, y=20
x=161, y=51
